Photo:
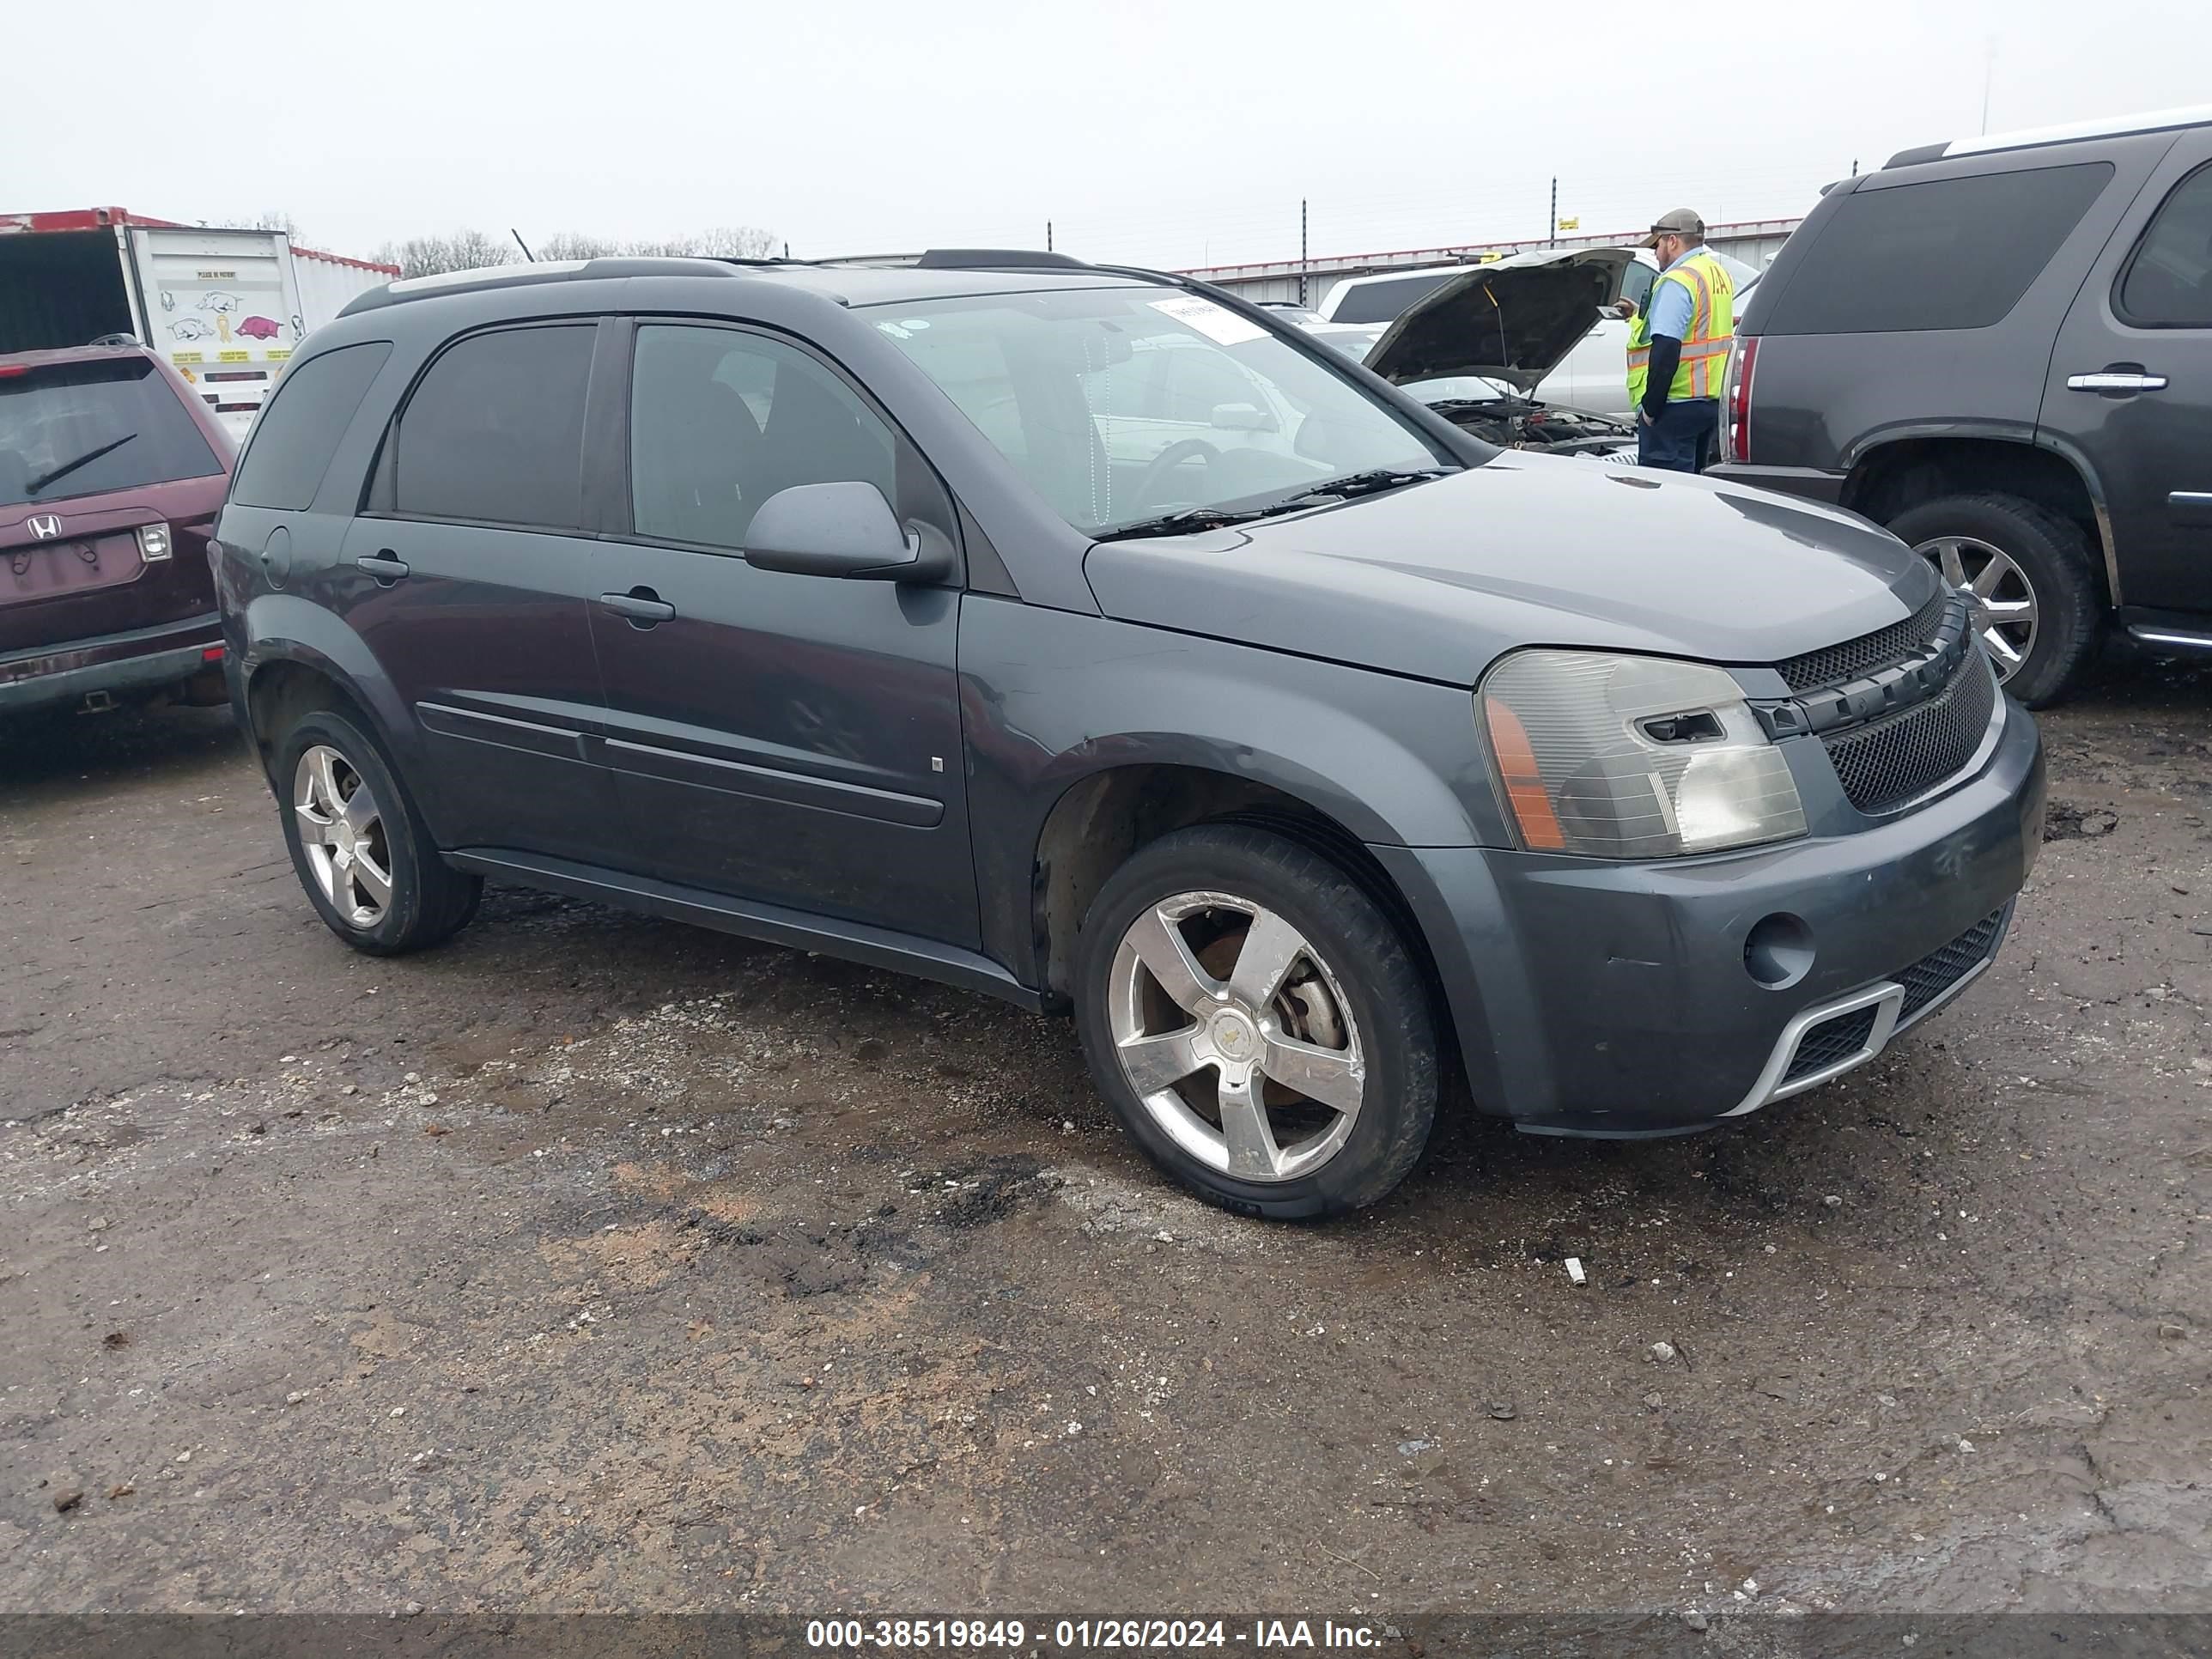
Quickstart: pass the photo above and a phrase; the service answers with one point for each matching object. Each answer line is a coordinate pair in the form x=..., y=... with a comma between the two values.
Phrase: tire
x=2049, y=553
x=424, y=899
x=1348, y=1014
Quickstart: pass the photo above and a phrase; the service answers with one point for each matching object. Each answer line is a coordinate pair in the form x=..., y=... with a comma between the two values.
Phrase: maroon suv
x=111, y=471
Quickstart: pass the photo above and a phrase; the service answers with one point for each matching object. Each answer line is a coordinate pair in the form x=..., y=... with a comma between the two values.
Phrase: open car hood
x=1513, y=320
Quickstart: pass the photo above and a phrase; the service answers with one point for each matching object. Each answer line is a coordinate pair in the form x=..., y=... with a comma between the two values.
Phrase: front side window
x=2168, y=283
x=722, y=420
x=495, y=432
x=1119, y=404
x=84, y=429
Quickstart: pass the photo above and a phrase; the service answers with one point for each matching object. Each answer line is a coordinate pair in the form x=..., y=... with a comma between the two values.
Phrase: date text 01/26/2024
x=840, y=1636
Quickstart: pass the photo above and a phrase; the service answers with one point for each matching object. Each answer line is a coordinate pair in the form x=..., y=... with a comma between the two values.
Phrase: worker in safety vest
x=1678, y=347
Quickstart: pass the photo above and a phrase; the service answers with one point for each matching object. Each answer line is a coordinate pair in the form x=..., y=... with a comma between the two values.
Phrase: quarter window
x=2168, y=283
x=296, y=435
x=1948, y=253
x=495, y=433
x=722, y=419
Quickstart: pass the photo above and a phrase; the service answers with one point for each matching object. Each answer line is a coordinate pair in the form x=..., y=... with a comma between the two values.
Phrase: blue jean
x=1682, y=439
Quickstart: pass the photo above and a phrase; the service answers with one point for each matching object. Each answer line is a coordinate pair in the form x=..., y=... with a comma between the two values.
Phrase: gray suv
x=2002, y=349
x=1099, y=641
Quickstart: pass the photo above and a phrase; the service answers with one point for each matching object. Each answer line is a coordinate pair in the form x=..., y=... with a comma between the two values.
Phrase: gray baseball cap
x=1680, y=221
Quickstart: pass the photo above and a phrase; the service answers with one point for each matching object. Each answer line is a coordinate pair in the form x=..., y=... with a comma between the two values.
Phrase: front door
x=789, y=739
x=2130, y=384
x=467, y=581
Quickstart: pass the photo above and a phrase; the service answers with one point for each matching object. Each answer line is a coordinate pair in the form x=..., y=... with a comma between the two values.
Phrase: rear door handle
x=641, y=606
x=384, y=564
x=2117, y=379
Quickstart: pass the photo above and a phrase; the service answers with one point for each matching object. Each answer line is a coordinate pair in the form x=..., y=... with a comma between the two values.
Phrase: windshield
x=84, y=429
x=1119, y=405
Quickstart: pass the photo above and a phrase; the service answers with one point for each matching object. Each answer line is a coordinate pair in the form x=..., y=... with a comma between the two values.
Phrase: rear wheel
x=360, y=847
x=2028, y=572
x=1257, y=1022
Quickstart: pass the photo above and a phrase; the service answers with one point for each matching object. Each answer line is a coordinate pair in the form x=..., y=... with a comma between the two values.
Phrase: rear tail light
x=1735, y=425
x=153, y=542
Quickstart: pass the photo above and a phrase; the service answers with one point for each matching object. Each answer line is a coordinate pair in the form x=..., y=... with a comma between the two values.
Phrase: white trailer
x=228, y=307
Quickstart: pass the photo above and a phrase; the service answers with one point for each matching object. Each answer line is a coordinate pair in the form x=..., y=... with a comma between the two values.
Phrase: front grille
x=1832, y=1042
x=1837, y=663
x=1946, y=965
x=1899, y=755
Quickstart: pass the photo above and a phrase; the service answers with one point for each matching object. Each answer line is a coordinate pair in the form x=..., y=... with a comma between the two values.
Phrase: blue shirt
x=1672, y=307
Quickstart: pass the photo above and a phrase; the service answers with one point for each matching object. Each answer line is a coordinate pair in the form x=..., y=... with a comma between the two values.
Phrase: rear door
x=785, y=739
x=467, y=578
x=2131, y=383
x=224, y=306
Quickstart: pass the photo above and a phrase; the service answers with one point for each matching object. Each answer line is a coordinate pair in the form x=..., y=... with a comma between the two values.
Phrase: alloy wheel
x=1236, y=1035
x=342, y=832
x=2005, y=613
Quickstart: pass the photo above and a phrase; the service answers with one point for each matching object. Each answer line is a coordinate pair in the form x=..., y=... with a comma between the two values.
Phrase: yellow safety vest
x=1704, y=348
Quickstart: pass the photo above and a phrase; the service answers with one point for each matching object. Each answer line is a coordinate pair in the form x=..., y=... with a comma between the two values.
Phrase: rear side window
x=495, y=433
x=2168, y=283
x=296, y=435
x=1383, y=302
x=1950, y=253
x=84, y=429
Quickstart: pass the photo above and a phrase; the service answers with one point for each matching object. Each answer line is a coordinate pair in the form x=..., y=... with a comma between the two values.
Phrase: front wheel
x=1257, y=1022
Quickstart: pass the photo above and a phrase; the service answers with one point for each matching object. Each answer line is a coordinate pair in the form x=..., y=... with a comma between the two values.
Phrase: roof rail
x=2118, y=126
x=544, y=271
x=997, y=258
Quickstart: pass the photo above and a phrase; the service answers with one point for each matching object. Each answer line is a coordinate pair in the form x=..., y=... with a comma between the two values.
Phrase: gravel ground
x=594, y=1263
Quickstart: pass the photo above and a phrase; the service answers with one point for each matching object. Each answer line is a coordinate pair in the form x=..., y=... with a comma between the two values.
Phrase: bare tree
x=278, y=219
x=461, y=250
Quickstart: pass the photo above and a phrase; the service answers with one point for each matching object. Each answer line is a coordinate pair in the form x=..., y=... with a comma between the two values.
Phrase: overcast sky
x=1166, y=134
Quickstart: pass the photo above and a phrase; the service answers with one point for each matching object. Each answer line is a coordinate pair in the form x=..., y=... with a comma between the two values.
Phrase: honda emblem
x=44, y=526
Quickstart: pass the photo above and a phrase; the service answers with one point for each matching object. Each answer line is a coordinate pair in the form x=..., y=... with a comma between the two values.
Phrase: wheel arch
x=1105, y=817
x=299, y=658
x=1911, y=466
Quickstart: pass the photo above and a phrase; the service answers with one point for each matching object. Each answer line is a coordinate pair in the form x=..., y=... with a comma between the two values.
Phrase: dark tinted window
x=720, y=421
x=299, y=432
x=84, y=429
x=1951, y=254
x=1383, y=302
x=2169, y=278
x=496, y=431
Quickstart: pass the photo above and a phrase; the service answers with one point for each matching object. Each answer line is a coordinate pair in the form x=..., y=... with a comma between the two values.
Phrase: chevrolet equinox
x=1091, y=638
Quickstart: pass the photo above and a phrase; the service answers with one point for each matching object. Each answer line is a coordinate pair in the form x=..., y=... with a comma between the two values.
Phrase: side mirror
x=839, y=530
x=1242, y=417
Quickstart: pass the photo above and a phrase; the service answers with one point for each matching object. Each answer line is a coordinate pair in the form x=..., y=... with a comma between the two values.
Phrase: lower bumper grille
x=1832, y=1042
x=1946, y=965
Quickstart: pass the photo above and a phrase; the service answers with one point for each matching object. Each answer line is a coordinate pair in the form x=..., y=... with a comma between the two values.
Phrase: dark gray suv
x=1095, y=640
x=2002, y=349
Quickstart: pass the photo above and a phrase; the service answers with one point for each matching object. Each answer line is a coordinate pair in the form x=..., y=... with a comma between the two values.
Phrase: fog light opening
x=1778, y=951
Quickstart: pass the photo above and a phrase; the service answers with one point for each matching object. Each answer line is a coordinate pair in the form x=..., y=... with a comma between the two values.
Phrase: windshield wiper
x=1191, y=519
x=68, y=467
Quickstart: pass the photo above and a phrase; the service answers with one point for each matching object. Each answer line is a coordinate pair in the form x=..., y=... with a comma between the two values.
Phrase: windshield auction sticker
x=1218, y=323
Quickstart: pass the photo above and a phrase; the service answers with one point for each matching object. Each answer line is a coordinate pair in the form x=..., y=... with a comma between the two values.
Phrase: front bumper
x=140, y=659
x=1599, y=998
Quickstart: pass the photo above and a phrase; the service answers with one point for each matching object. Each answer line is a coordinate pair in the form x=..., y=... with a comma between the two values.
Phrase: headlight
x=1632, y=757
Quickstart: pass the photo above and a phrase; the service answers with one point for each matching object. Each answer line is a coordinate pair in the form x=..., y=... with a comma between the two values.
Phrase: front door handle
x=384, y=564
x=2117, y=379
x=641, y=606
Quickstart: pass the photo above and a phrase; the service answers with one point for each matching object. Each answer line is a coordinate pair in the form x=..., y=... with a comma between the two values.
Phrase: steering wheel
x=1181, y=450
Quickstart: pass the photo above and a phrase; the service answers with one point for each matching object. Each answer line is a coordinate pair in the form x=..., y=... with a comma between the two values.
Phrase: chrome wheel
x=2004, y=601
x=1236, y=1036
x=342, y=832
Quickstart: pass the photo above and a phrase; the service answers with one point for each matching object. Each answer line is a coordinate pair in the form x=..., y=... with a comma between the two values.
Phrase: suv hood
x=1438, y=579
x=1513, y=320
